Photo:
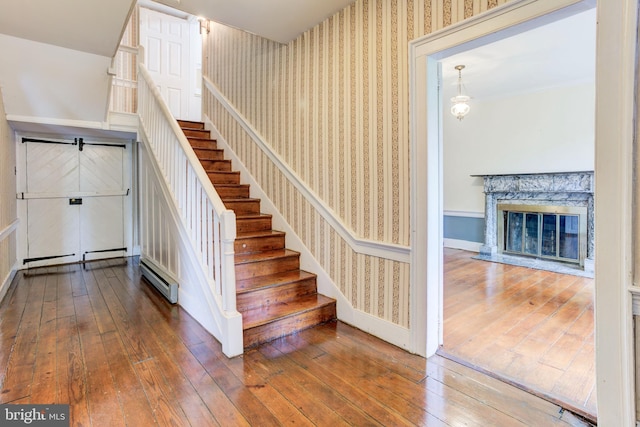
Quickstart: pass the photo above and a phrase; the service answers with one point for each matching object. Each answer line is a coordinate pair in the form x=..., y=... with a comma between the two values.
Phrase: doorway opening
x=431, y=194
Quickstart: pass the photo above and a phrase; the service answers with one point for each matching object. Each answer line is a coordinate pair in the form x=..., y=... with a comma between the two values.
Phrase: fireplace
x=556, y=233
x=540, y=220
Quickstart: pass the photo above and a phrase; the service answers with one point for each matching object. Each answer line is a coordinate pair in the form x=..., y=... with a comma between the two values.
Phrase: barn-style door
x=75, y=200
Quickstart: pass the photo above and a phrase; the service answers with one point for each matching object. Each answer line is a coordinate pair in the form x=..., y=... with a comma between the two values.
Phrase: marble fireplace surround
x=541, y=189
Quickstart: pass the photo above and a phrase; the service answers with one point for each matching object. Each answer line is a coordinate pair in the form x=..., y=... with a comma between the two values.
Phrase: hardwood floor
x=104, y=341
x=530, y=327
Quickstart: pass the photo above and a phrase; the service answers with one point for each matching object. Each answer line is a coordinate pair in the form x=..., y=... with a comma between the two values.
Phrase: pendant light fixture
x=460, y=106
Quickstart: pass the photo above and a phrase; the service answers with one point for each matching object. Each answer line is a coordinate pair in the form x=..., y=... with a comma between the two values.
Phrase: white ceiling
x=279, y=20
x=96, y=26
x=556, y=54
x=561, y=53
x=93, y=26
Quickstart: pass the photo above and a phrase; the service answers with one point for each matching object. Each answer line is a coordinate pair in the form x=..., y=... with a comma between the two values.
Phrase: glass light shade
x=460, y=106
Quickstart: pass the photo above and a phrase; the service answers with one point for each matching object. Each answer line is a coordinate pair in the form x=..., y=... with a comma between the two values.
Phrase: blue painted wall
x=464, y=228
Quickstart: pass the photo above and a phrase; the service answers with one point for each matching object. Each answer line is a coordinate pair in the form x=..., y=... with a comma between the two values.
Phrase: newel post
x=227, y=238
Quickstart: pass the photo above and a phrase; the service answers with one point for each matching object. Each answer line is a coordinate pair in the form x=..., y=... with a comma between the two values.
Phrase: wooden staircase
x=274, y=296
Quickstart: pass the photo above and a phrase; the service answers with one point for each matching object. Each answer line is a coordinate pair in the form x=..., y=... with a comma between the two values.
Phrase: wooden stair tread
x=208, y=148
x=262, y=233
x=203, y=144
x=258, y=240
x=216, y=165
x=253, y=222
x=233, y=190
x=240, y=199
x=222, y=187
x=264, y=315
x=271, y=280
x=231, y=185
x=190, y=124
x=253, y=216
x=198, y=133
x=264, y=256
x=225, y=173
x=224, y=177
x=201, y=139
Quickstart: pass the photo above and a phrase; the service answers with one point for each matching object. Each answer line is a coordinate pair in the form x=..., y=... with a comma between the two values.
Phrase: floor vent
x=160, y=279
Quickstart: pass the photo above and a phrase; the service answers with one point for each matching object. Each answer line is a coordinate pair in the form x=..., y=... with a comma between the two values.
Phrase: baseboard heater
x=160, y=279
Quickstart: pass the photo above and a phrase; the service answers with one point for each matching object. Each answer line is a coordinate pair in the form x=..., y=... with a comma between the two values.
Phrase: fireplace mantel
x=551, y=188
x=548, y=182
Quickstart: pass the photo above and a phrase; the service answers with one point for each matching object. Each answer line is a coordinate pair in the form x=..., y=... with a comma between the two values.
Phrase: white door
x=75, y=195
x=165, y=39
x=53, y=235
x=102, y=172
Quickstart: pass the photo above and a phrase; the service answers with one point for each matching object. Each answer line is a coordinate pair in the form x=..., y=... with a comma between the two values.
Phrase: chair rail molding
x=5, y=282
x=374, y=248
x=6, y=231
x=347, y=313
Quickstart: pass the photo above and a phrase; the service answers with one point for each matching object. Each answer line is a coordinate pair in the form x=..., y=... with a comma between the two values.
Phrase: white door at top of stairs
x=75, y=200
x=165, y=39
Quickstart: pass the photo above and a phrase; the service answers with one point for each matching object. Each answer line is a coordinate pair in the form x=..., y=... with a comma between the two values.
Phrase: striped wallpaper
x=334, y=105
x=8, y=212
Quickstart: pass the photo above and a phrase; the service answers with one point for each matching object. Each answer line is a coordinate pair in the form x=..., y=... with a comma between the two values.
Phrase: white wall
x=49, y=82
x=8, y=214
x=549, y=131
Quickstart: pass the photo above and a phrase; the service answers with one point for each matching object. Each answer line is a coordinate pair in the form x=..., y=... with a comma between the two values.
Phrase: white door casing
x=615, y=117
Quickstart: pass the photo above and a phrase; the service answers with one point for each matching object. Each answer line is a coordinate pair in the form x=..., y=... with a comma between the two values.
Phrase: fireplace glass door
x=544, y=235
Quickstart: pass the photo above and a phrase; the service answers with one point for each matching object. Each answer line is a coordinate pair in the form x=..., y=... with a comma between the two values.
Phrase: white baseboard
x=462, y=244
x=383, y=329
x=6, y=283
x=464, y=214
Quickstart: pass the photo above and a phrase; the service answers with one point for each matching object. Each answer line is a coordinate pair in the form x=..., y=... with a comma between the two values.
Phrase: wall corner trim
x=374, y=248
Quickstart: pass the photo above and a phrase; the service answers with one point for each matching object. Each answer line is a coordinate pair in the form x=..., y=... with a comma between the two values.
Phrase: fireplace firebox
x=543, y=216
x=548, y=232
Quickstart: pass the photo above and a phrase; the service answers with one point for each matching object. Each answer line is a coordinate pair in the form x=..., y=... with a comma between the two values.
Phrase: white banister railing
x=210, y=226
x=124, y=85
